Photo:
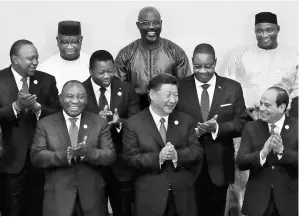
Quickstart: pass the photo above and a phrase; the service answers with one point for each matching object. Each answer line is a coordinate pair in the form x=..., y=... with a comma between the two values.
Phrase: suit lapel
x=286, y=131
x=116, y=95
x=218, y=94
x=34, y=85
x=92, y=101
x=151, y=127
x=61, y=129
x=86, y=126
x=172, y=131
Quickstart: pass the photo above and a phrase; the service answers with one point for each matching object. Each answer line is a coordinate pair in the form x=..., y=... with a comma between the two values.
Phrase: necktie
x=73, y=131
x=102, y=100
x=272, y=129
x=25, y=88
x=205, y=102
x=163, y=130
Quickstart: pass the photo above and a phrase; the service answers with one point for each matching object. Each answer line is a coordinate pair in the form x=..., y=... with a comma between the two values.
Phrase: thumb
x=215, y=117
x=115, y=111
x=85, y=139
x=106, y=108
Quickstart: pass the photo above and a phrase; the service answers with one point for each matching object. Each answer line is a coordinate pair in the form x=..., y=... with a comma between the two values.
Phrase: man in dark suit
x=27, y=95
x=269, y=149
x=71, y=146
x=217, y=104
x=118, y=102
x=162, y=146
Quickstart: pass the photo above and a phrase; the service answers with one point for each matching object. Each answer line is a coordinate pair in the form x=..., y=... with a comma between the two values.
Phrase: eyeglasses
x=148, y=23
x=66, y=43
x=206, y=67
x=261, y=31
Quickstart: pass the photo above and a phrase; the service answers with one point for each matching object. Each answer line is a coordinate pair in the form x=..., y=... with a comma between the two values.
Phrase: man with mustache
x=258, y=67
x=217, y=104
x=71, y=146
x=70, y=63
x=150, y=55
x=27, y=95
x=269, y=150
x=160, y=143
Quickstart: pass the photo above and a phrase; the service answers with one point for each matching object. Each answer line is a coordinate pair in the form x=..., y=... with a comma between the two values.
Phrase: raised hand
x=115, y=119
x=105, y=112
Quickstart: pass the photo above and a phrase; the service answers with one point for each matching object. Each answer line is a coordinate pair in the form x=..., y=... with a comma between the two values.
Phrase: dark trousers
x=210, y=199
x=120, y=195
x=170, y=206
x=77, y=211
x=24, y=191
x=271, y=210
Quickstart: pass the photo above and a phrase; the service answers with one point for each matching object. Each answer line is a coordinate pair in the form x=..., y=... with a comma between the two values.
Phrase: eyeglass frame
x=72, y=43
x=150, y=22
x=196, y=66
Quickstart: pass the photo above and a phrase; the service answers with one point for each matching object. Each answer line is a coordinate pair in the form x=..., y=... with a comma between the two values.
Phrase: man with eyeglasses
x=218, y=106
x=258, y=67
x=70, y=62
x=150, y=55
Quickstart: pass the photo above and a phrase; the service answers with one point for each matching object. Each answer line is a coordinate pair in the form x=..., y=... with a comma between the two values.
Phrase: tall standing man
x=217, y=104
x=71, y=145
x=150, y=55
x=161, y=145
x=269, y=149
x=121, y=102
x=27, y=95
x=70, y=63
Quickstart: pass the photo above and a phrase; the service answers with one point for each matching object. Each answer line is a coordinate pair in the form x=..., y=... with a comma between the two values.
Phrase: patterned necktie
x=163, y=130
x=102, y=100
x=25, y=88
x=272, y=129
x=205, y=102
x=73, y=132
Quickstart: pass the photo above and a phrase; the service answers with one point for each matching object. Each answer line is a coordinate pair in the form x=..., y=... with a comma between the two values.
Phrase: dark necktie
x=205, y=102
x=272, y=129
x=102, y=100
x=73, y=131
x=163, y=130
x=25, y=88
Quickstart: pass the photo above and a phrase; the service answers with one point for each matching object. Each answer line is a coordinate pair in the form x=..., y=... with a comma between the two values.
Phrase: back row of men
x=129, y=143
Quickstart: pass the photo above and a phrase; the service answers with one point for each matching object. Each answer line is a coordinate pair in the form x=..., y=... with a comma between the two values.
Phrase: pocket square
x=228, y=104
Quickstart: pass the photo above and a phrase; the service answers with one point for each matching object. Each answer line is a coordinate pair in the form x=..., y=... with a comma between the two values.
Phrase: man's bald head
x=146, y=10
x=204, y=49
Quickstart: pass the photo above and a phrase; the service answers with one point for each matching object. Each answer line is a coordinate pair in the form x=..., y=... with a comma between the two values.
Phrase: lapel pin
x=176, y=122
x=287, y=127
x=219, y=87
x=119, y=93
x=85, y=126
x=35, y=81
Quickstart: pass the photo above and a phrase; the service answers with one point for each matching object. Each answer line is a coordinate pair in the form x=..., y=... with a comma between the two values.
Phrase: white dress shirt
x=277, y=129
x=211, y=90
x=19, y=82
x=157, y=119
x=97, y=92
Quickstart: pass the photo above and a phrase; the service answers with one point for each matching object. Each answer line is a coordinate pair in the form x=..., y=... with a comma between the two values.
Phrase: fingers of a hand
x=201, y=128
x=106, y=108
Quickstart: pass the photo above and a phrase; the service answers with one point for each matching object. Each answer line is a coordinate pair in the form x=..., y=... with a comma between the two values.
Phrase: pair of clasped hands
x=206, y=127
x=106, y=112
x=80, y=150
x=168, y=152
x=273, y=143
x=26, y=101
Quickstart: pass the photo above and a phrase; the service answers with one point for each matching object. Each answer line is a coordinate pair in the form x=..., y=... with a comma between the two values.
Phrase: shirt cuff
x=214, y=135
x=15, y=108
x=38, y=111
x=261, y=160
x=120, y=127
x=175, y=161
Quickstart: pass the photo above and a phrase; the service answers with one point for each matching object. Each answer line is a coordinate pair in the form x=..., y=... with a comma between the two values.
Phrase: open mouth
x=74, y=108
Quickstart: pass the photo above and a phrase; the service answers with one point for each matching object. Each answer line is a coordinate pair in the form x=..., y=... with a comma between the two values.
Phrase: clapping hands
x=206, y=127
x=168, y=153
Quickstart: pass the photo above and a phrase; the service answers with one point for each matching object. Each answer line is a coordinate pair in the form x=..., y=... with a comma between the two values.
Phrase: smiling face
x=164, y=99
x=203, y=66
x=150, y=25
x=26, y=60
x=73, y=99
x=266, y=35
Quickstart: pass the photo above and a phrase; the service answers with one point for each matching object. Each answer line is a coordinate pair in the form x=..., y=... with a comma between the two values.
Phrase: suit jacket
x=281, y=174
x=63, y=180
x=294, y=107
x=125, y=99
x=231, y=118
x=18, y=131
x=142, y=145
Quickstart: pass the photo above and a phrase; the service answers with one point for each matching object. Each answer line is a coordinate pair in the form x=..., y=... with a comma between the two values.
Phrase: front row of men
x=177, y=154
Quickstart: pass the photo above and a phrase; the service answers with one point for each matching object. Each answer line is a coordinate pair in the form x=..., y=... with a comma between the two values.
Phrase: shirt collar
x=278, y=123
x=156, y=117
x=211, y=82
x=17, y=76
x=67, y=117
x=96, y=87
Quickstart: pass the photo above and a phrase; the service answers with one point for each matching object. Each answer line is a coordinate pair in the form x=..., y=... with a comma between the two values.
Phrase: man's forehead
x=147, y=13
x=69, y=37
x=265, y=25
x=28, y=50
x=269, y=96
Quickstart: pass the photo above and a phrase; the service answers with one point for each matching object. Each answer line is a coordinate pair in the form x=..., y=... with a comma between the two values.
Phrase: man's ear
x=137, y=24
x=14, y=59
x=57, y=40
x=278, y=28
